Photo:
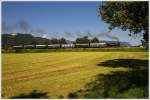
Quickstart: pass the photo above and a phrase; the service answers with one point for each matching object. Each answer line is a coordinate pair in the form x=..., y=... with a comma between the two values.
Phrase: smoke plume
x=68, y=34
x=109, y=35
x=24, y=26
x=89, y=35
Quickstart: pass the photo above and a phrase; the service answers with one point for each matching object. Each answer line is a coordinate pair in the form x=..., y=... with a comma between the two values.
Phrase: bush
x=72, y=95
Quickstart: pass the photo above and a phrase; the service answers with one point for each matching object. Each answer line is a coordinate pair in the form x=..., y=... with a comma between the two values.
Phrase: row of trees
x=9, y=40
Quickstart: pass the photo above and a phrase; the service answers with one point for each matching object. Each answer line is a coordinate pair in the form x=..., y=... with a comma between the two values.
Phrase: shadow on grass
x=119, y=84
x=128, y=63
x=32, y=94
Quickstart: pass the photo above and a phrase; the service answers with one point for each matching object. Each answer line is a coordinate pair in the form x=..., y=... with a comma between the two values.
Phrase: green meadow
x=75, y=75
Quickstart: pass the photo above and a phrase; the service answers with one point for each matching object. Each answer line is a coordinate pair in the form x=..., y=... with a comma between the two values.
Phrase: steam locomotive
x=71, y=45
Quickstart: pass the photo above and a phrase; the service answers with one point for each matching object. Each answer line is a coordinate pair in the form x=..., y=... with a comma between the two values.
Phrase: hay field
x=57, y=73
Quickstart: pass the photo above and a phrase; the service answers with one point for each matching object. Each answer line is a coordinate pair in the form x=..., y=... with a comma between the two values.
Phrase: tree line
x=9, y=40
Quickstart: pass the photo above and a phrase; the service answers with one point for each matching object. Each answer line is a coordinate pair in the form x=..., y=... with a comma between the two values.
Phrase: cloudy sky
x=59, y=19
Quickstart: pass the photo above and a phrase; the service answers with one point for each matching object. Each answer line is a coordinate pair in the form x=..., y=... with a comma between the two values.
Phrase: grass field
x=65, y=74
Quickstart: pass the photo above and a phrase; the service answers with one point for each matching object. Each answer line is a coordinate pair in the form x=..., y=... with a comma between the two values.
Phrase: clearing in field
x=75, y=75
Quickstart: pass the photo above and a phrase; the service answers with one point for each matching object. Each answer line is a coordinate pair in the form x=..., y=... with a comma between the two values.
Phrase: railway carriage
x=29, y=46
x=97, y=45
x=68, y=46
x=41, y=46
x=54, y=46
x=82, y=45
x=18, y=47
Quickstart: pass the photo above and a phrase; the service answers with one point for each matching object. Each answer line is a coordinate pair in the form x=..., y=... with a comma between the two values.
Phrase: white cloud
x=44, y=36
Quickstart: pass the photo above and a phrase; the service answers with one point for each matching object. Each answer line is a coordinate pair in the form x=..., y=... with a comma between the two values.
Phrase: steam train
x=71, y=45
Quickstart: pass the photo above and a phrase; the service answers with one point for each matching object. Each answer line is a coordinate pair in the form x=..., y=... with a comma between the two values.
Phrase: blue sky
x=53, y=19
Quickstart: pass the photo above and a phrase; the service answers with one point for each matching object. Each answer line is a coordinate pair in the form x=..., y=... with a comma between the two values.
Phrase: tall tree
x=62, y=41
x=132, y=16
x=54, y=41
x=95, y=40
x=82, y=40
